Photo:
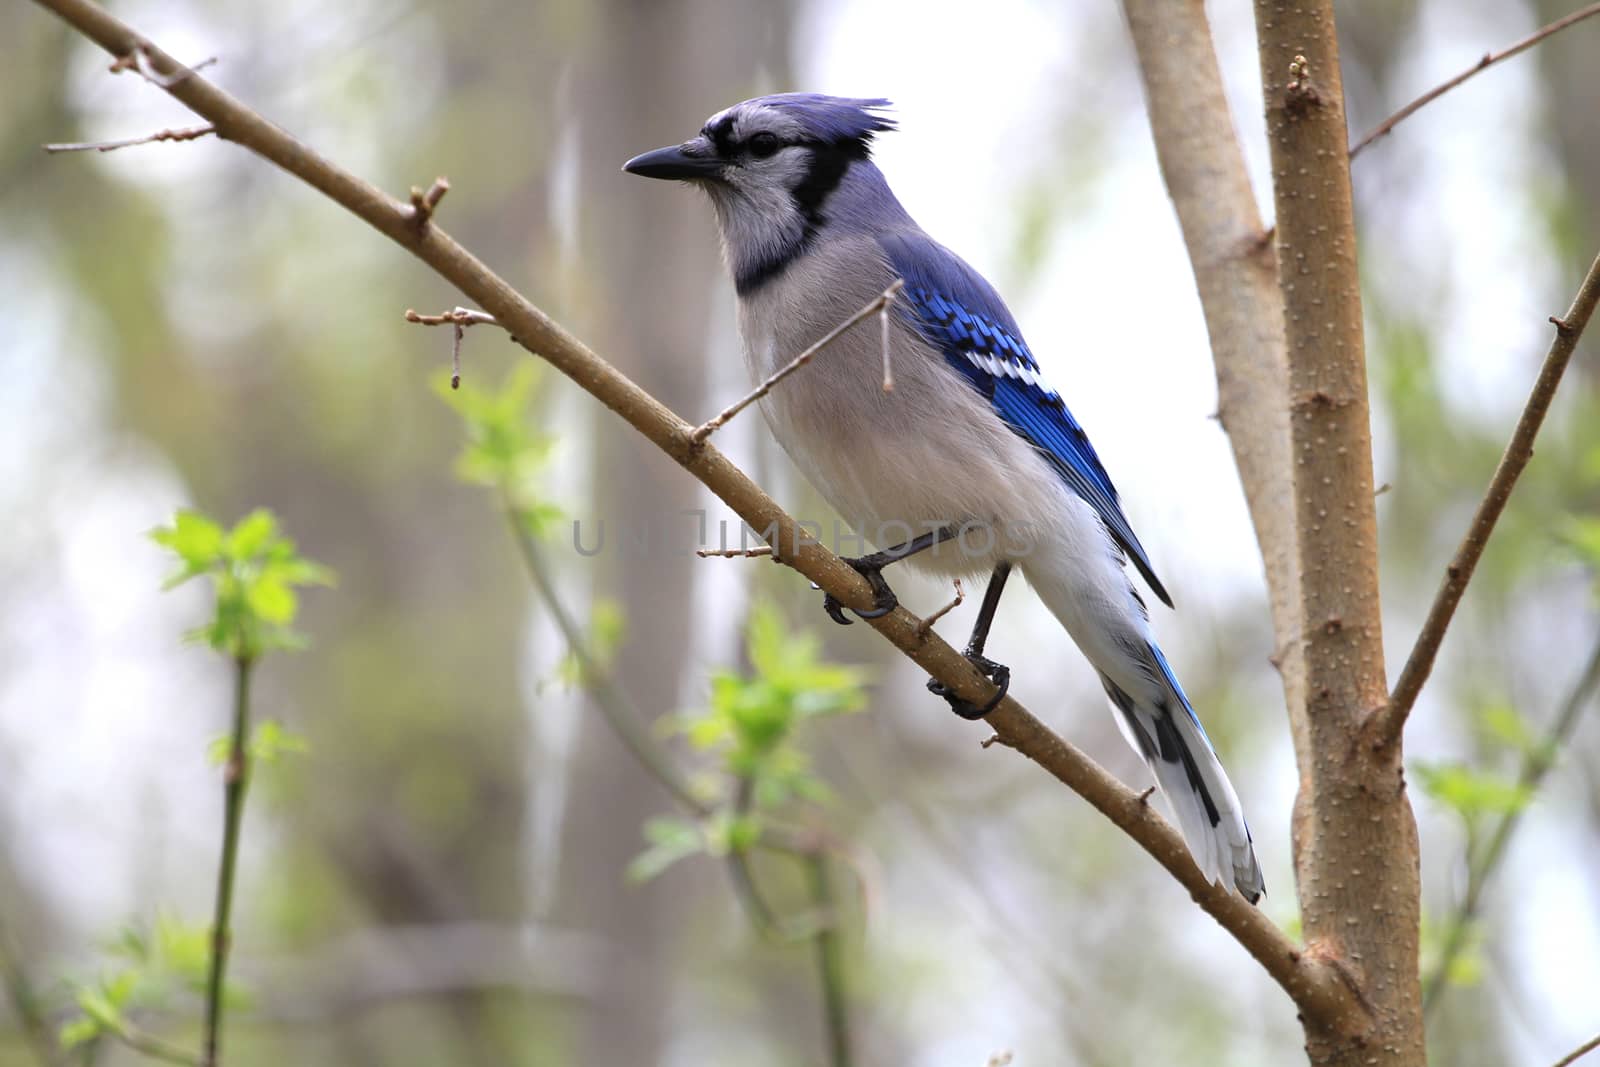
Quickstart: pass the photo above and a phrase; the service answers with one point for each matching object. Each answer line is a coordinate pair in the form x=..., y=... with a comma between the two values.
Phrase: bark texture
x=1357, y=853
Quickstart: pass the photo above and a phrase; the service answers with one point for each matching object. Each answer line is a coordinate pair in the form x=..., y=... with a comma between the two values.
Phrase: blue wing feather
x=958, y=312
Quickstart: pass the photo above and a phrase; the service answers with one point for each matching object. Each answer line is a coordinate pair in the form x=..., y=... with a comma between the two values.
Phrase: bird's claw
x=998, y=673
x=884, y=600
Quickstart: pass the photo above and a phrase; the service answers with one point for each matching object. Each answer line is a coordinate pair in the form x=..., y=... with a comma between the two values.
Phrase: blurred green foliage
x=751, y=727
x=160, y=969
x=752, y=718
x=504, y=450
x=255, y=570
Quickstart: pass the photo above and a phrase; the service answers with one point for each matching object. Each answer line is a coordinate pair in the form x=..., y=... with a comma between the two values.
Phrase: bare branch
x=1311, y=981
x=455, y=316
x=926, y=625
x=180, y=133
x=1391, y=720
x=1579, y=1053
x=734, y=553
x=1488, y=60
x=878, y=303
x=458, y=318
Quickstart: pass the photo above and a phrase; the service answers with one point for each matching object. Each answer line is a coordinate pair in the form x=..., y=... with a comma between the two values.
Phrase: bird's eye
x=764, y=144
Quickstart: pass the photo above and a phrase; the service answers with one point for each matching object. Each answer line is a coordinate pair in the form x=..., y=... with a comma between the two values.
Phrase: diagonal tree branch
x=1488, y=60
x=1387, y=726
x=1315, y=985
x=1580, y=1052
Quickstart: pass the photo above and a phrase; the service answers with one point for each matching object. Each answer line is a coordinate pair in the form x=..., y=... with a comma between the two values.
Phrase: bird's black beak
x=691, y=161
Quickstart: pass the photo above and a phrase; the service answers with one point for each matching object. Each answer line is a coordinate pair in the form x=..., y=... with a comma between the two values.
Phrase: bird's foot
x=998, y=673
x=884, y=600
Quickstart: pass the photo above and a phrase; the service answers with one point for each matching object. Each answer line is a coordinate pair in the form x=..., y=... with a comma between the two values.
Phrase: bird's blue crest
x=833, y=119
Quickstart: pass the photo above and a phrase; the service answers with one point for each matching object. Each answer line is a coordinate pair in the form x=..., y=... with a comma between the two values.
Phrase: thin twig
x=156, y=1048
x=1391, y=719
x=1578, y=1053
x=1488, y=60
x=763, y=917
x=926, y=625
x=880, y=302
x=179, y=133
x=1315, y=985
x=457, y=318
x=830, y=964
x=423, y=203
x=619, y=711
x=235, y=780
x=139, y=59
x=1481, y=865
x=734, y=553
x=883, y=340
x=454, y=317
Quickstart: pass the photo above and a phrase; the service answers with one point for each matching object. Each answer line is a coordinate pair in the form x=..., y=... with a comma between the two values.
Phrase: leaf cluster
x=504, y=450
x=750, y=728
x=149, y=969
x=255, y=571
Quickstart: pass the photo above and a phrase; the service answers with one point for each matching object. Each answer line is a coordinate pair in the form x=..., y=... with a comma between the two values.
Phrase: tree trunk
x=1356, y=856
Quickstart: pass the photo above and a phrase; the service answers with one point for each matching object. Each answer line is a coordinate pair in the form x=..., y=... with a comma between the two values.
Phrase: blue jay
x=971, y=445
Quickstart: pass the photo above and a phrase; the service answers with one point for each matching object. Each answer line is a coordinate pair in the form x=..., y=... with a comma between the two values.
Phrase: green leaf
x=1467, y=968
x=301, y=572
x=182, y=950
x=670, y=840
x=94, y=1003
x=540, y=519
x=252, y=536
x=1471, y=793
x=272, y=600
x=608, y=625
x=78, y=1031
x=194, y=538
x=119, y=989
x=272, y=740
x=752, y=721
x=504, y=449
x=1505, y=724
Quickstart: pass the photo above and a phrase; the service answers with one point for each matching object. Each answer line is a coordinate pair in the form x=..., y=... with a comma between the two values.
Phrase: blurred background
x=441, y=876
